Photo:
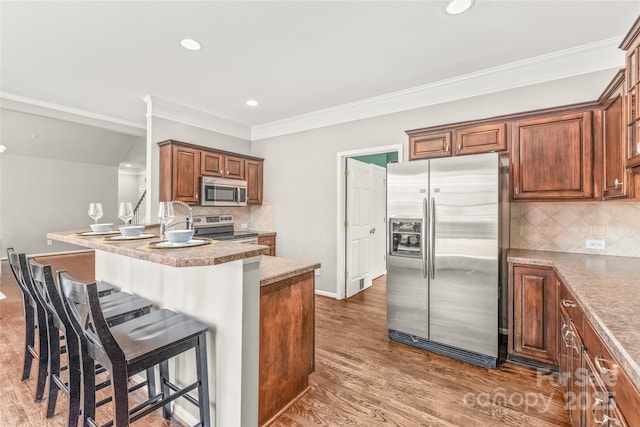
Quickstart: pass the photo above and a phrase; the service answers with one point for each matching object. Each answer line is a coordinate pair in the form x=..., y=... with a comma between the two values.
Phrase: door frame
x=341, y=205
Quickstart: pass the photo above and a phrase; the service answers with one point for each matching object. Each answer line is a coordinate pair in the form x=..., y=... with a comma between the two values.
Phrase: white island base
x=227, y=298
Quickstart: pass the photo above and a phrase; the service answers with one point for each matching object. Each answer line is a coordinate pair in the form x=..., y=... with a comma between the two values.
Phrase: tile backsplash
x=564, y=227
x=257, y=217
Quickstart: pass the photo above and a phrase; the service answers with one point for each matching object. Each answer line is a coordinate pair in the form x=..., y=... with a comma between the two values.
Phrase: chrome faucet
x=188, y=222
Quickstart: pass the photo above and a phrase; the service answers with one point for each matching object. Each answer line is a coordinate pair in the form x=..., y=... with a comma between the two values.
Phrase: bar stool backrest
x=14, y=263
x=41, y=275
x=82, y=303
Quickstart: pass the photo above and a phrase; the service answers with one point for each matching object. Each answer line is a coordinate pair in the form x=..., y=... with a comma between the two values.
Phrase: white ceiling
x=295, y=57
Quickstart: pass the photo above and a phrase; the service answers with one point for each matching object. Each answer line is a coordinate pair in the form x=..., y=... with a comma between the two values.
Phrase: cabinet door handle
x=568, y=303
x=599, y=360
x=616, y=184
x=459, y=147
x=446, y=147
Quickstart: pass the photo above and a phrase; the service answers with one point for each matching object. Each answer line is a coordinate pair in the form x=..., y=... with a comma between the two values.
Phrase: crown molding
x=583, y=59
x=23, y=104
x=161, y=108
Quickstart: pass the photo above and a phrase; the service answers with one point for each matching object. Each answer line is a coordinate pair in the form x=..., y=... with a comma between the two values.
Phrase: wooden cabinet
x=179, y=172
x=254, y=174
x=182, y=165
x=631, y=44
x=211, y=164
x=615, y=176
x=597, y=390
x=533, y=314
x=552, y=157
x=481, y=139
x=287, y=324
x=269, y=240
x=234, y=167
x=458, y=140
x=427, y=145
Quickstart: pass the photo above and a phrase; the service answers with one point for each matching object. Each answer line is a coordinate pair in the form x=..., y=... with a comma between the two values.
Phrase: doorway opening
x=361, y=228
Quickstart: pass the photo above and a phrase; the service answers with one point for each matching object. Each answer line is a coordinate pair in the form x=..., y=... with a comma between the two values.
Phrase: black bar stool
x=34, y=318
x=42, y=281
x=134, y=346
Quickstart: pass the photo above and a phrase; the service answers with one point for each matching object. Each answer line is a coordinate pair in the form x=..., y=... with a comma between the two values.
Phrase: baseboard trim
x=326, y=294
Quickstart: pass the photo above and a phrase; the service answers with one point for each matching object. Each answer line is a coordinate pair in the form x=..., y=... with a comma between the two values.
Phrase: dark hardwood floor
x=361, y=378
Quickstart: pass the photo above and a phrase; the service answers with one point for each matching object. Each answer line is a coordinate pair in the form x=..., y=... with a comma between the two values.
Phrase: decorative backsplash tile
x=564, y=227
x=259, y=218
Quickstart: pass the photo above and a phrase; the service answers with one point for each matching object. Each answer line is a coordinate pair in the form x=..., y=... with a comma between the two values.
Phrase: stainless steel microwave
x=222, y=192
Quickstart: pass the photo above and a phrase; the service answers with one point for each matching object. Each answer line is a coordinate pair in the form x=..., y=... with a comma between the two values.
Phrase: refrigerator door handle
x=432, y=242
x=423, y=237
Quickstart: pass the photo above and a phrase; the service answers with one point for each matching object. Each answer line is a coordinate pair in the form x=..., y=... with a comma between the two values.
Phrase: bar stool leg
x=43, y=358
x=151, y=382
x=203, y=378
x=120, y=385
x=164, y=379
x=54, y=368
x=29, y=341
x=89, y=390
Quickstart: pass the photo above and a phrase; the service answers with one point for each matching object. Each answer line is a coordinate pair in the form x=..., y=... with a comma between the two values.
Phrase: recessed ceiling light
x=252, y=103
x=457, y=7
x=2, y=148
x=190, y=44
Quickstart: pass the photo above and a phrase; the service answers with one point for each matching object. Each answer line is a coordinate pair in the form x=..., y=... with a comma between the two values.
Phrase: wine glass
x=125, y=212
x=95, y=211
x=165, y=214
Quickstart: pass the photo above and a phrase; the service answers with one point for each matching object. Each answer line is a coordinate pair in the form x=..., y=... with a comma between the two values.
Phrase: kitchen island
x=222, y=284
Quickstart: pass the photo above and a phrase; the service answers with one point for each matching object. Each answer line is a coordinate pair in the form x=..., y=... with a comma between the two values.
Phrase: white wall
x=129, y=186
x=43, y=195
x=300, y=174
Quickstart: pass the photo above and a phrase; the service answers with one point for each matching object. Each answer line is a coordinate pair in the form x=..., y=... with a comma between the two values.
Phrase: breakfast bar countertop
x=214, y=253
x=275, y=269
x=607, y=288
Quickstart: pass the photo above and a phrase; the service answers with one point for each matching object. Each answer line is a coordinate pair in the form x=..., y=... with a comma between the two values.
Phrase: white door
x=378, y=221
x=365, y=226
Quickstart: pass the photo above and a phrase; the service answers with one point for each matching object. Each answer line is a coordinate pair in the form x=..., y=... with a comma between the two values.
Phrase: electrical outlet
x=49, y=242
x=317, y=271
x=594, y=244
x=244, y=226
x=598, y=230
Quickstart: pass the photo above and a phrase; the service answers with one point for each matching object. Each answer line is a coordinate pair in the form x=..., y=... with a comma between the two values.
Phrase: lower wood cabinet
x=533, y=315
x=268, y=240
x=597, y=391
x=287, y=325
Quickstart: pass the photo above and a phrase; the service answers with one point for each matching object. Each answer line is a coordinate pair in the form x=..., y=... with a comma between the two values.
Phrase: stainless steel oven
x=222, y=192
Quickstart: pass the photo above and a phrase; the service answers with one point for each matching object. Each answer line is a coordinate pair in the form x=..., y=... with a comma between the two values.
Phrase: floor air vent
x=456, y=353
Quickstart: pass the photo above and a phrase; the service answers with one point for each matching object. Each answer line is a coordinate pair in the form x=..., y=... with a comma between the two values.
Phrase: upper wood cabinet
x=179, y=172
x=234, y=167
x=533, y=314
x=458, y=139
x=211, y=164
x=615, y=176
x=254, y=174
x=182, y=165
x=481, y=139
x=552, y=157
x=631, y=44
x=427, y=145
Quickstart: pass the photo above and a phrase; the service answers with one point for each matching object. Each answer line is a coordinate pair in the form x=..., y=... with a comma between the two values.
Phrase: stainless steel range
x=220, y=227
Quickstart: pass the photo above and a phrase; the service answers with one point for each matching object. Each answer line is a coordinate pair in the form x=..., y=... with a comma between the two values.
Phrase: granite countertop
x=275, y=269
x=263, y=233
x=217, y=252
x=607, y=288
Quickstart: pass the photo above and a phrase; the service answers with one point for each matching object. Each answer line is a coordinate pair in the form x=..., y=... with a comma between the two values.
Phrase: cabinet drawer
x=572, y=308
x=265, y=240
x=614, y=378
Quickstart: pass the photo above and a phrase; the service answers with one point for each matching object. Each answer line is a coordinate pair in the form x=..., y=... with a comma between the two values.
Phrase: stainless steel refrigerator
x=445, y=255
